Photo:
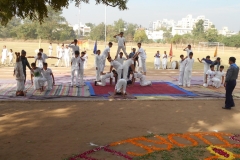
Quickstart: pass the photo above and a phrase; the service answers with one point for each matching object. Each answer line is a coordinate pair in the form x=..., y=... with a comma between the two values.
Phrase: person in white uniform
x=141, y=53
x=209, y=76
x=157, y=60
x=120, y=88
x=121, y=44
x=188, y=49
x=182, y=63
x=75, y=65
x=61, y=55
x=20, y=77
x=36, y=77
x=86, y=60
x=115, y=64
x=74, y=47
x=128, y=63
x=50, y=49
x=98, y=64
x=48, y=76
x=67, y=56
x=105, y=54
x=10, y=57
x=206, y=67
x=218, y=79
x=164, y=60
x=81, y=69
x=143, y=81
x=4, y=54
x=57, y=50
x=188, y=70
x=121, y=59
x=105, y=76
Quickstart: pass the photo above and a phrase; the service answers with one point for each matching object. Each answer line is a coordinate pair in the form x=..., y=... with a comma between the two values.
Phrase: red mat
x=160, y=88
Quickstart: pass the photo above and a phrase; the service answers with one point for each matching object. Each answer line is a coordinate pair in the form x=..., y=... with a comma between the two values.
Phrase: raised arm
x=111, y=68
x=199, y=60
x=116, y=36
x=53, y=79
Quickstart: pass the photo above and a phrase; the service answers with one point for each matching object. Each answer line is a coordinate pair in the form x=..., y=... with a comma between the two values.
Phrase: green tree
x=130, y=31
x=38, y=10
x=91, y=25
x=10, y=29
x=211, y=35
x=140, y=36
x=198, y=30
x=167, y=35
x=98, y=32
x=177, y=39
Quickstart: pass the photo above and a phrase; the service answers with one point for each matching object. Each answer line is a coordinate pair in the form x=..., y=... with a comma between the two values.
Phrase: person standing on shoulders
x=188, y=49
x=74, y=47
x=121, y=44
x=230, y=83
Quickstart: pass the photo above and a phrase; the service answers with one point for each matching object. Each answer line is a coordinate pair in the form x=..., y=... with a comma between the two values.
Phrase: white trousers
x=216, y=82
x=125, y=72
x=204, y=77
x=38, y=82
x=164, y=63
x=98, y=71
x=74, y=74
x=180, y=78
x=187, y=78
x=50, y=52
x=66, y=59
x=144, y=82
x=60, y=60
x=20, y=85
x=81, y=77
x=3, y=59
x=102, y=65
x=49, y=83
x=10, y=60
x=123, y=49
x=103, y=82
x=144, y=68
x=85, y=63
x=119, y=72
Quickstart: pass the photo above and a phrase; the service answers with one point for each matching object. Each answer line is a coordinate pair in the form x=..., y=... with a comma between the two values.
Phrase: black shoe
x=233, y=105
x=226, y=108
x=95, y=83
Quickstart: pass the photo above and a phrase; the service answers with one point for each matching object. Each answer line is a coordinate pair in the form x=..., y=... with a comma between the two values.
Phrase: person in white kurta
x=67, y=56
x=61, y=56
x=50, y=49
x=36, y=77
x=206, y=67
x=164, y=60
x=98, y=64
x=105, y=76
x=18, y=72
x=142, y=54
x=121, y=59
x=157, y=60
x=10, y=57
x=81, y=69
x=188, y=49
x=75, y=65
x=188, y=71
x=105, y=54
x=121, y=44
x=4, y=55
x=48, y=76
x=182, y=63
x=128, y=63
x=209, y=76
x=218, y=79
x=86, y=60
x=143, y=81
x=120, y=88
x=115, y=64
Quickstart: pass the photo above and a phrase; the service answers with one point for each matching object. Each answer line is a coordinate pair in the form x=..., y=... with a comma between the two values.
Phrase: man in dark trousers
x=230, y=83
x=25, y=63
x=131, y=56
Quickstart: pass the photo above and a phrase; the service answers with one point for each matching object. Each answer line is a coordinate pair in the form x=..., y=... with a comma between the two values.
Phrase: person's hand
x=96, y=68
x=225, y=84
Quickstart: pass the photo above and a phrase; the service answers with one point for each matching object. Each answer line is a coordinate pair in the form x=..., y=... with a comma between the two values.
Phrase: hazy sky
x=220, y=12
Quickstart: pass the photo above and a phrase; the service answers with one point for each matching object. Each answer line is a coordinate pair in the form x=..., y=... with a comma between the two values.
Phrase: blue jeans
x=229, y=90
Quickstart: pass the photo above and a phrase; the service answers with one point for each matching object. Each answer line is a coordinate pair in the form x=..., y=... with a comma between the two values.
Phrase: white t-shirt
x=107, y=75
x=47, y=73
x=142, y=53
x=164, y=56
x=116, y=65
x=98, y=60
x=105, y=53
x=50, y=48
x=10, y=54
x=81, y=62
x=74, y=48
x=188, y=51
x=182, y=65
x=210, y=74
x=57, y=48
x=61, y=53
x=121, y=60
x=122, y=83
x=75, y=63
x=121, y=41
x=4, y=53
x=128, y=63
x=206, y=66
x=189, y=64
x=66, y=52
x=219, y=74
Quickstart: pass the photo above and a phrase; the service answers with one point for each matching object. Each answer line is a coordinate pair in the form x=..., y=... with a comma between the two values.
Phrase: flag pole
x=105, y=25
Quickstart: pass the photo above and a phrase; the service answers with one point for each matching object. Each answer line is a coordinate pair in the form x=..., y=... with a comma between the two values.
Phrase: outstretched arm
x=199, y=60
x=53, y=57
x=116, y=35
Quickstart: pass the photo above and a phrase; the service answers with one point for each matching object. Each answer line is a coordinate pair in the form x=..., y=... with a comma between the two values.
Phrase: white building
x=181, y=30
x=162, y=23
x=83, y=28
x=226, y=32
x=154, y=35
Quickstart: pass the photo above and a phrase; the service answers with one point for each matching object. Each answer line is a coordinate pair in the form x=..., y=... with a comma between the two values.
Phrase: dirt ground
x=56, y=130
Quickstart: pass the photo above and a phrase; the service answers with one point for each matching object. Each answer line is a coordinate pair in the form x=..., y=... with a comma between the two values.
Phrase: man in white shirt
x=4, y=54
x=120, y=88
x=209, y=76
x=128, y=63
x=182, y=63
x=57, y=50
x=61, y=56
x=105, y=54
x=86, y=60
x=188, y=71
x=105, y=76
x=48, y=76
x=67, y=55
x=74, y=46
x=218, y=79
x=188, y=49
x=98, y=63
x=115, y=64
x=81, y=68
x=164, y=60
x=206, y=67
x=121, y=44
x=121, y=59
x=141, y=53
x=50, y=49
x=75, y=65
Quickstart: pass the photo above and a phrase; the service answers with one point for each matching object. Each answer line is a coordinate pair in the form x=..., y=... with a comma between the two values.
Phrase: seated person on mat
x=209, y=76
x=48, y=76
x=120, y=88
x=104, y=76
x=218, y=79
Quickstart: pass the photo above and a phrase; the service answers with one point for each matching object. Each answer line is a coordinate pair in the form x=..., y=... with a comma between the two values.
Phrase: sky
x=221, y=12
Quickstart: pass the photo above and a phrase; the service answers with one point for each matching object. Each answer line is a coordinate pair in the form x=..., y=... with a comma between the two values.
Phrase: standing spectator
x=50, y=49
x=4, y=54
x=25, y=63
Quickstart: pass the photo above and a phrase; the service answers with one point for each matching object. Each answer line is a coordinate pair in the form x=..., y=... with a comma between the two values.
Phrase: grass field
x=30, y=47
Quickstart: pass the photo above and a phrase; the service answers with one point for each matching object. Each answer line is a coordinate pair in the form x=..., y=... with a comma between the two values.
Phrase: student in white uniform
x=57, y=50
x=81, y=69
x=105, y=54
x=164, y=60
x=121, y=44
x=209, y=76
x=61, y=56
x=128, y=63
x=4, y=54
x=120, y=88
x=10, y=57
x=74, y=46
x=115, y=64
x=218, y=79
x=98, y=64
x=67, y=56
x=20, y=77
x=188, y=70
x=75, y=65
x=105, y=76
x=157, y=60
x=121, y=59
x=50, y=49
x=36, y=77
x=143, y=81
x=86, y=60
x=188, y=49
x=182, y=63
x=141, y=53
x=48, y=76
x=206, y=67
